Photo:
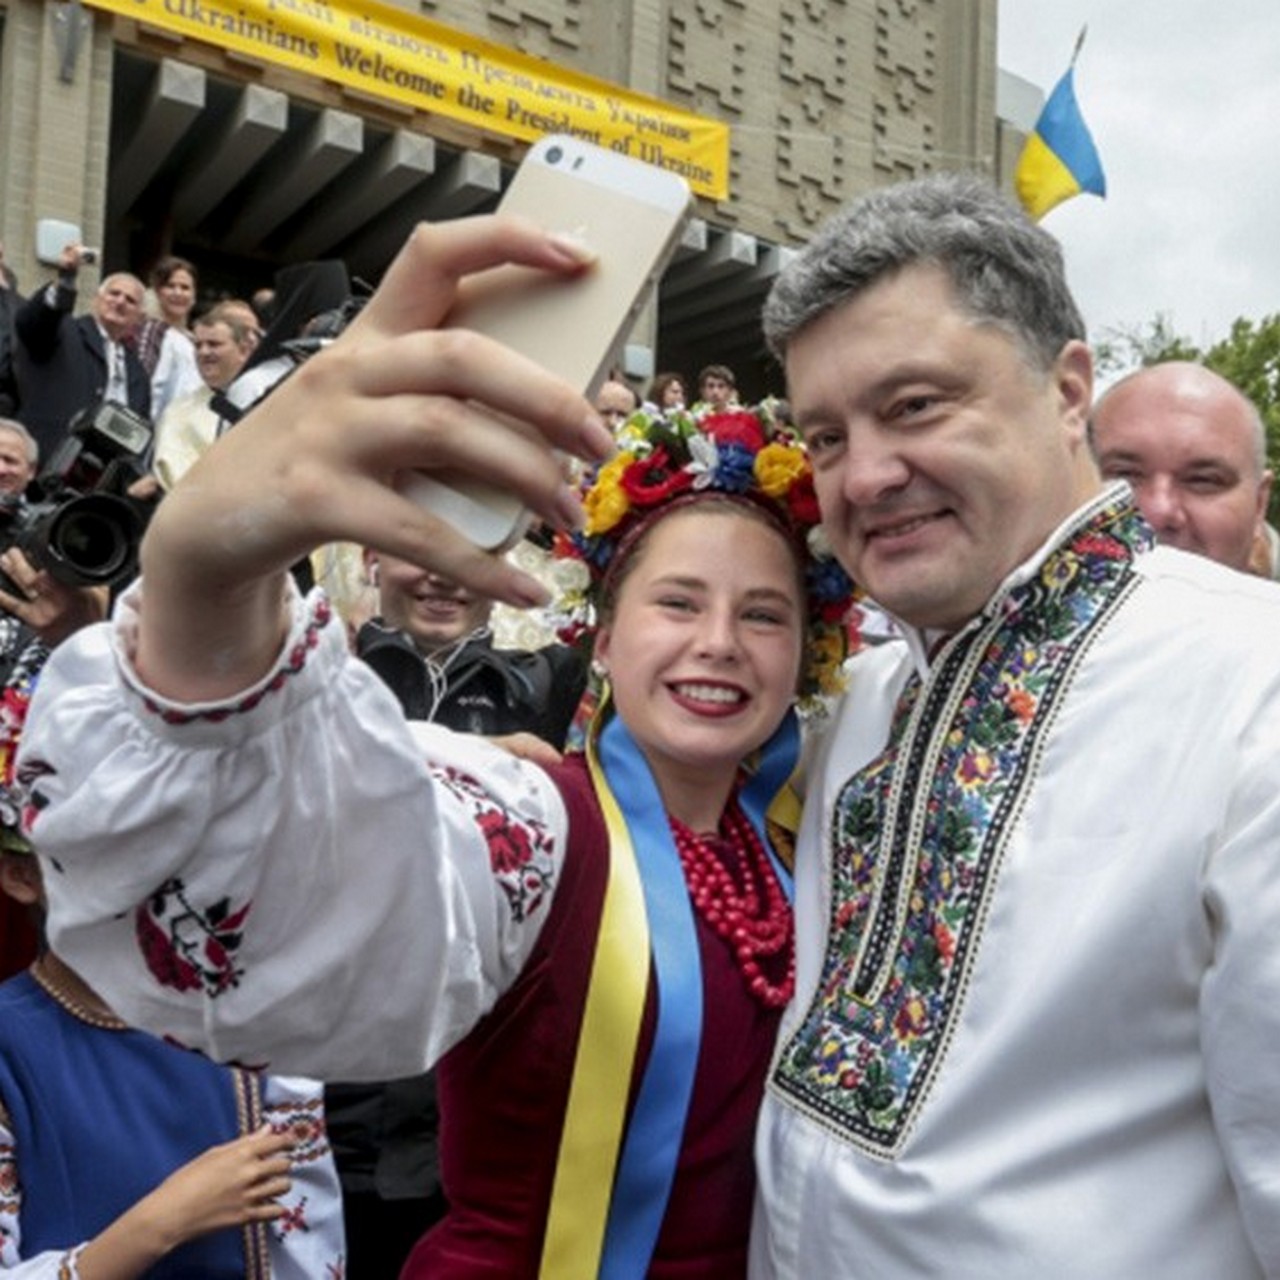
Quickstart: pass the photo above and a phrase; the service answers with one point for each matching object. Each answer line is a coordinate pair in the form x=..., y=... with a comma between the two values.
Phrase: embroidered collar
x=918, y=836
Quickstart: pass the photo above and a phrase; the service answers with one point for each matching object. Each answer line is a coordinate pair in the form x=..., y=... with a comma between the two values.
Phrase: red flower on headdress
x=562, y=545
x=734, y=427
x=802, y=501
x=654, y=479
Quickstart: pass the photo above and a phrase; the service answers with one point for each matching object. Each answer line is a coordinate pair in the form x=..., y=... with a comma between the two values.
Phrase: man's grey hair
x=28, y=440
x=1005, y=270
x=108, y=281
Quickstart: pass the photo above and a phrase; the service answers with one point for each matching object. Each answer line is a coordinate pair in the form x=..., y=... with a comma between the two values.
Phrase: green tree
x=1122, y=348
x=1248, y=357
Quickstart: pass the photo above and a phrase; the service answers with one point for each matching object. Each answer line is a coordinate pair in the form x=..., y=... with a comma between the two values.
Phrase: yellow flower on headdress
x=778, y=466
x=828, y=648
x=606, y=502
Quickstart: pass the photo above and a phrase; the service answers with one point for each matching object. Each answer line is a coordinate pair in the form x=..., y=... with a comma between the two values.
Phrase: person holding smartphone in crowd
x=596, y=954
x=66, y=363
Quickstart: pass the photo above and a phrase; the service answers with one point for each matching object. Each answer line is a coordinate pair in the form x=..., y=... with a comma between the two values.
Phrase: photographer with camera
x=66, y=364
x=38, y=613
x=36, y=605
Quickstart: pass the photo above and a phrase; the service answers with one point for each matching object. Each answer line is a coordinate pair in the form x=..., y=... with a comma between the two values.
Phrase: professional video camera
x=76, y=521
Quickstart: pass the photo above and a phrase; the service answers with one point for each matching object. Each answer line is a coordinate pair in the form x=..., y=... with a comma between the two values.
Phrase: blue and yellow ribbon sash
x=613, y=1179
x=607, y=1041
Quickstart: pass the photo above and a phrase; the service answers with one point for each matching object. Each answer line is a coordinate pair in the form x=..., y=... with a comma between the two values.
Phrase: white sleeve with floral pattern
x=308, y=1241
x=53, y=1264
x=291, y=878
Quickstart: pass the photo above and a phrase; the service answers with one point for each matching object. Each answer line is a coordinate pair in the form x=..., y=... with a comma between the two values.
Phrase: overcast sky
x=1183, y=100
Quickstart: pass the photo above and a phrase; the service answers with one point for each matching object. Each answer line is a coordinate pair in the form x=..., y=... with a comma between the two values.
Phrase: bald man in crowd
x=615, y=402
x=1193, y=448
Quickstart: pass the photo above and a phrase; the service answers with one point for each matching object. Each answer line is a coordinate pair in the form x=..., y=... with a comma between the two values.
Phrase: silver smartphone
x=631, y=215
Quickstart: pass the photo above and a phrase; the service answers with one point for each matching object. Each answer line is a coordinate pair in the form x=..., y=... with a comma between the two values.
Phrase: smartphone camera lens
x=554, y=155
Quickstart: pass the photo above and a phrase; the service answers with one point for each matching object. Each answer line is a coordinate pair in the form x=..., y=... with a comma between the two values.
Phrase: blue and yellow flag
x=1059, y=160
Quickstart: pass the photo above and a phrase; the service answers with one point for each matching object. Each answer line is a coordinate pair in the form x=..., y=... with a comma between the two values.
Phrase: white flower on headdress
x=571, y=577
x=819, y=543
x=571, y=608
x=704, y=458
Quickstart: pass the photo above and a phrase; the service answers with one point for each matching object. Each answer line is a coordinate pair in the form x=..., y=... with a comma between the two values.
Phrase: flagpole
x=1084, y=31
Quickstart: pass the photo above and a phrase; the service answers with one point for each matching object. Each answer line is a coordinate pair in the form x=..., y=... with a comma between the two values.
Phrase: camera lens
x=89, y=539
x=555, y=155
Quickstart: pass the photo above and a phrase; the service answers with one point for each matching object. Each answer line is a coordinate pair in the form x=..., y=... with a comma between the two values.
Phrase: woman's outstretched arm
x=318, y=461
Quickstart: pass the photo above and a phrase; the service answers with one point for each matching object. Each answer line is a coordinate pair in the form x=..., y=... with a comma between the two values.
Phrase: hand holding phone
x=630, y=214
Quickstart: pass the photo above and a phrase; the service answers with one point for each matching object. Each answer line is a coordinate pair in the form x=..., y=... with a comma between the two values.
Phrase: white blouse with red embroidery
x=293, y=879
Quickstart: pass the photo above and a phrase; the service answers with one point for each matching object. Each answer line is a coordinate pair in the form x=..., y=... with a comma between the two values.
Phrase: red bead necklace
x=755, y=920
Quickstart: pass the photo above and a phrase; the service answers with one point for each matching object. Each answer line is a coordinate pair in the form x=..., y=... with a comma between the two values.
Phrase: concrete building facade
x=154, y=143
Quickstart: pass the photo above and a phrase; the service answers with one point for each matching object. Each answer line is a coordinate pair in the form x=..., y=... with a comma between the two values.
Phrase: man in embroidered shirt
x=1194, y=450
x=1037, y=882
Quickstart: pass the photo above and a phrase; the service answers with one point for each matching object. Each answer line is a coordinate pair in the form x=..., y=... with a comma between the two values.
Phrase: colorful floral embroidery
x=918, y=837
x=188, y=949
x=521, y=852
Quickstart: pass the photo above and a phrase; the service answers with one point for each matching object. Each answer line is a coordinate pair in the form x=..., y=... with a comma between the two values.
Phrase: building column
x=55, y=121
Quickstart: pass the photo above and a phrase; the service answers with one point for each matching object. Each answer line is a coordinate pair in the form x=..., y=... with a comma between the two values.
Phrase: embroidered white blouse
x=1037, y=1022
x=407, y=871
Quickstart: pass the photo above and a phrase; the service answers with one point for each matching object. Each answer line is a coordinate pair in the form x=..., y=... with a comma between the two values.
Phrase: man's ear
x=20, y=878
x=1073, y=378
x=370, y=559
x=1264, y=497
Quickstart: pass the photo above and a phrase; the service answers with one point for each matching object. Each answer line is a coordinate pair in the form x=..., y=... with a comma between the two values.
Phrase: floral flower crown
x=741, y=452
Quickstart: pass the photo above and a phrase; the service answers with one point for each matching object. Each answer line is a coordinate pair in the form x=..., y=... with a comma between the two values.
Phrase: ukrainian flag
x=1059, y=160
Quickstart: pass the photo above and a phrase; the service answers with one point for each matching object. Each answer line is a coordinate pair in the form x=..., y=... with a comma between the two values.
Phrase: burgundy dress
x=17, y=937
x=504, y=1089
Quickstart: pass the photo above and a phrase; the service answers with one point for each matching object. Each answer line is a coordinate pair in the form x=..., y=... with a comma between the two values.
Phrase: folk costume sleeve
x=49, y=1265
x=286, y=879
x=306, y=1242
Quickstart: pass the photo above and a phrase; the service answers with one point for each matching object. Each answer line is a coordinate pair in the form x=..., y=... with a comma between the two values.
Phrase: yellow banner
x=380, y=49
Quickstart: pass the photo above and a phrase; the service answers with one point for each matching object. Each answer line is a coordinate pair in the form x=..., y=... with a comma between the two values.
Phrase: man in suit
x=67, y=363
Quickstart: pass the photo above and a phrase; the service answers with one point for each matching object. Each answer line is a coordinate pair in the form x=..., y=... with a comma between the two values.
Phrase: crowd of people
x=709, y=941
